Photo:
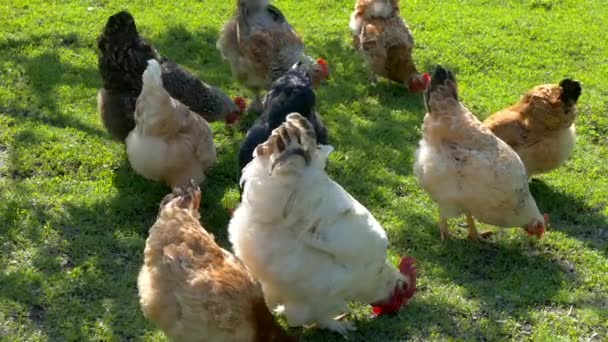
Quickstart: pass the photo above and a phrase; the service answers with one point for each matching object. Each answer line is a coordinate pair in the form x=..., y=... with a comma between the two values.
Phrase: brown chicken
x=386, y=43
x=260, y=46
x=467, y=170
x=540, y=127
x=192, y=289
x=170, y=143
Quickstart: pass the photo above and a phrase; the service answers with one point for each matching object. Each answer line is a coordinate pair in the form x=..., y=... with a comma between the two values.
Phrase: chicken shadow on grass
x=373, y=129
x=196, y=51
x=43, y=74
x=86, y=260
x=92, y=267
x=507, y=278
x=572, y=216
x=215, y=215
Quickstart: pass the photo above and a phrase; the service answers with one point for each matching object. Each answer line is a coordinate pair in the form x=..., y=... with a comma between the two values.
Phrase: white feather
x=310, y=243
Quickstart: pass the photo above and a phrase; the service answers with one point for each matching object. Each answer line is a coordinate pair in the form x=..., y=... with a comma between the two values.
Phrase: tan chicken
x=540, y=127
x=169, y=143
x=192, y=289
x=386, y=43
x=467, y=169
x=260, y=46
x=310, y=243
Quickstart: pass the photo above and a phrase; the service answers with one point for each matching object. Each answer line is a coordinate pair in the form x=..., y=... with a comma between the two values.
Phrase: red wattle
x=407, y=267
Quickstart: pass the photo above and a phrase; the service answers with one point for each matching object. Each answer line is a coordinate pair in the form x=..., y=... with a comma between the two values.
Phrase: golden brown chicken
x=540, y=127
x=169, y=143
x=467, y=169
x=260, y=46
x=386, y=43
x=194, y=290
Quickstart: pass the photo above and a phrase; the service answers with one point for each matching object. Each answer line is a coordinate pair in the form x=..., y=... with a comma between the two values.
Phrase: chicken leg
x=341, y=328
x=473, y=234
x=443, y=228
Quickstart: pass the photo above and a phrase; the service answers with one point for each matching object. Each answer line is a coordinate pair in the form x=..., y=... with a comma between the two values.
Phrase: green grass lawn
x=74, y=216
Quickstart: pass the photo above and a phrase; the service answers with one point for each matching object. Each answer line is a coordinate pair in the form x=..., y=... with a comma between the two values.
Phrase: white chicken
x=169, y=143
x=467, y=169
x=309, y=242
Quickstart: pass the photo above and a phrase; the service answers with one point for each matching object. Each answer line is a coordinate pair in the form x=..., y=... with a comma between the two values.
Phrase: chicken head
x=185, y=198
x=402, y=292
x=234, y=116
x=537, y=227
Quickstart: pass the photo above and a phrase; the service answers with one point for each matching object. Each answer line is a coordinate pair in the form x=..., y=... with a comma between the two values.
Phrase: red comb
x=540, y=232
x=426, y=79
x=240, y=102
x=419, y=83
x=407, y=267
x=323, y=65
x=400, y=296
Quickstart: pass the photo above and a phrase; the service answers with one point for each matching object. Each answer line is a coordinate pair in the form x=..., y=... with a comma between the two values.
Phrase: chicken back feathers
x=467, y=169
x=170, y=143
x=259, y=44
x=194, y=290
x=310, y=243
x=122, y=60
x=540, y=127
x=386, y=43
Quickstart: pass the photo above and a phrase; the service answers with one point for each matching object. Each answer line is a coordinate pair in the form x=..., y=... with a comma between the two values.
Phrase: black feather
x=571, y=91
x=441, y=79
x=276, y=13
x=293, y=92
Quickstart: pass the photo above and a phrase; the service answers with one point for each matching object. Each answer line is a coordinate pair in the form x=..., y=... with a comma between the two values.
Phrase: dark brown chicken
x=540, y=127
x=122, y=60
x=194, y=290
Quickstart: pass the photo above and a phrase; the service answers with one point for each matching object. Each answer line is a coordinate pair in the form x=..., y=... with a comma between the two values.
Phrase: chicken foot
x=473, y=234
x=340, y=327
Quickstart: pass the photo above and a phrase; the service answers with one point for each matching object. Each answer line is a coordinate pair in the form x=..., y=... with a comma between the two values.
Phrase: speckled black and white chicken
x=122, y=60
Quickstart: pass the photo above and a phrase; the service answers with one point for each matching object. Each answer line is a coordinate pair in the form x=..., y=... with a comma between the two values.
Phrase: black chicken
x=291, y=93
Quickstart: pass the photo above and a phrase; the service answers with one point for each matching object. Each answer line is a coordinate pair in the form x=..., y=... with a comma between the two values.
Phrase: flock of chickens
x=304, y=246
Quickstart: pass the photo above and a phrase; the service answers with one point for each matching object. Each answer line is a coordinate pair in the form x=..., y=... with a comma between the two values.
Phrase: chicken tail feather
x=152, y=77
x=443, y=83
x=295, y=137
x=571, y=91
x=408, y=269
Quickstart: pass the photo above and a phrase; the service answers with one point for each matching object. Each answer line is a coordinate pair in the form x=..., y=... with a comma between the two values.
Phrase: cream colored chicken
x=386, y=43
x=169, y=143
x=468, y=170
x=309, y=242
x=540, y=127
x=194, y=290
